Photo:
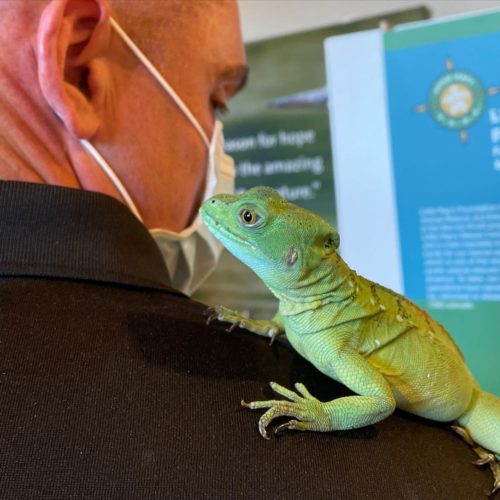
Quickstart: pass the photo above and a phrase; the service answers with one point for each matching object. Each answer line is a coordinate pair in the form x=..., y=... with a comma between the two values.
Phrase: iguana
x=373, y=340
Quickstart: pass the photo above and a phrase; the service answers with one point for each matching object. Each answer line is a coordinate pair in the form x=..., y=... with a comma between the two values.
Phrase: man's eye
x=218, y=99
x=249, y=217
x=220, y=107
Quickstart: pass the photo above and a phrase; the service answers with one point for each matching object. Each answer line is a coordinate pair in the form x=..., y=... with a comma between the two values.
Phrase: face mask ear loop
x=112, y=176
x=140, y=55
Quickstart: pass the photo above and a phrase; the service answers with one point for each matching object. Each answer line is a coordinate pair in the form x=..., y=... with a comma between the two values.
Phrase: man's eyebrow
x=237, y=74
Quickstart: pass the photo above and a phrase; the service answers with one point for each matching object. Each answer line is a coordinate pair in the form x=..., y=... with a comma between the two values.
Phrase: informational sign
x=433, y=171
x=278, y=133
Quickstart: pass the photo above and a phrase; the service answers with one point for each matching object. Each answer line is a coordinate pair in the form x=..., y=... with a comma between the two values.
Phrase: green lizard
x=373, y=340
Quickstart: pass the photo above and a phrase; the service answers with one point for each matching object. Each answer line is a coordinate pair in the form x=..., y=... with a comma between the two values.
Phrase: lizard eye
x=249, y=217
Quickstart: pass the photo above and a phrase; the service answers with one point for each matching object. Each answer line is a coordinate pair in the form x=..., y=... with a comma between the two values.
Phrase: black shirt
x=113, y=386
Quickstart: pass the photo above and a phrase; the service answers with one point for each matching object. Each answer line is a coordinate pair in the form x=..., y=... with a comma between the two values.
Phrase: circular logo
x=457, y=100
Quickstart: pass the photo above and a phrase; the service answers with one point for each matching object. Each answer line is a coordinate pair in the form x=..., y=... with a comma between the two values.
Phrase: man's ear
x=71, y=38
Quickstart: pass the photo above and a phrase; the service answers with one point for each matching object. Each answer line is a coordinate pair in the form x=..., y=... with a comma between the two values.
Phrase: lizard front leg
x=266, y=328
x=374, y=402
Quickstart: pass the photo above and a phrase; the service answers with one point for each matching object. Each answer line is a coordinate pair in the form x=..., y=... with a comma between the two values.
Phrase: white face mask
x=192, y=254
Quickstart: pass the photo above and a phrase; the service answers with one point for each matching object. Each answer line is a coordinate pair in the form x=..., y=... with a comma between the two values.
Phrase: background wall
x=268, y=18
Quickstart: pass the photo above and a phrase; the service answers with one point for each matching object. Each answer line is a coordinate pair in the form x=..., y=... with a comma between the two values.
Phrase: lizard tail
x=482, y=420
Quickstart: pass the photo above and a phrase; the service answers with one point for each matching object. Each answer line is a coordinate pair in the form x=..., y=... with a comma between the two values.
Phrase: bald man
x=66, y=76
x=111, y=383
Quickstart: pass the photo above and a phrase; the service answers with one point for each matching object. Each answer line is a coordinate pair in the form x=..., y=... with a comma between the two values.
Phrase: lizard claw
x=496, y=489
x=233, y=326
x=211, y=313
x=262, y=425
x=291, y=425
x=211, y=318
x=463, y=433
x=487, y=458
x=273, y=334
x=263, y=432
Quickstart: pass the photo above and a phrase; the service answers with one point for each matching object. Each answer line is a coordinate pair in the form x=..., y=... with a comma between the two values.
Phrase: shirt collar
x=57, y=232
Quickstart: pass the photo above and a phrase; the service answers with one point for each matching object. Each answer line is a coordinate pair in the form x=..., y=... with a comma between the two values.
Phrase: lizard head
x=287, y=246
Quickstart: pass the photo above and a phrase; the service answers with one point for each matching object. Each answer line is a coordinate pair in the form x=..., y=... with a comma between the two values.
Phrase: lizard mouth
x=222, y=232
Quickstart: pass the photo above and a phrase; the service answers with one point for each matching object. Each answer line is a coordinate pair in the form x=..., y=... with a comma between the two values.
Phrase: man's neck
x=35, y=146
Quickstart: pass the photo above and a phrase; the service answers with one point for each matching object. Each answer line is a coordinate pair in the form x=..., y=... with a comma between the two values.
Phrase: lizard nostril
x=213, y=201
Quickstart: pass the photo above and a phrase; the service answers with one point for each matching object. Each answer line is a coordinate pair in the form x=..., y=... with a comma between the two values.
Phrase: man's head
x=67, y=76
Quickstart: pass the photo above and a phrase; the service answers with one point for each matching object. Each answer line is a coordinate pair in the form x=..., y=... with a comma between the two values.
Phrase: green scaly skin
x=371, y=339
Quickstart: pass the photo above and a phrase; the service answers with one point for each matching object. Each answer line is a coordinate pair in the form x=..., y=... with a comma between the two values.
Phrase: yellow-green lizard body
x=373, y=340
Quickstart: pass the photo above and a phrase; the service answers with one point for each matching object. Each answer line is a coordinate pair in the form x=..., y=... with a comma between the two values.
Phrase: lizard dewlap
x=371, y=339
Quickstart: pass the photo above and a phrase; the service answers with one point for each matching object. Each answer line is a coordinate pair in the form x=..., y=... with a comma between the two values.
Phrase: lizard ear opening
x=331, y=243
